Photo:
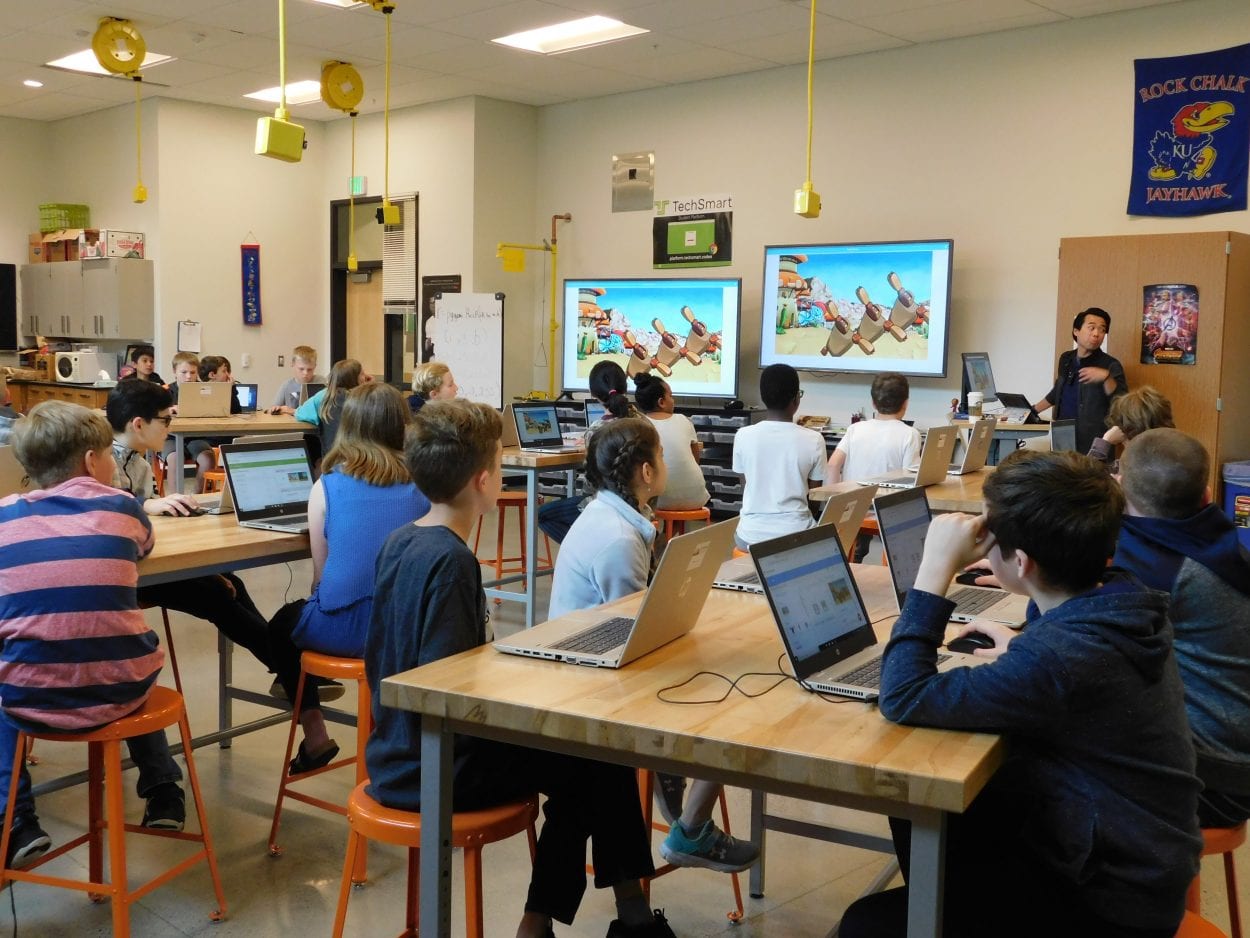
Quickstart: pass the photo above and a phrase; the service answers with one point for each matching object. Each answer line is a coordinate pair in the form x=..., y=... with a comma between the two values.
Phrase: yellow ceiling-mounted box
x=279, y=139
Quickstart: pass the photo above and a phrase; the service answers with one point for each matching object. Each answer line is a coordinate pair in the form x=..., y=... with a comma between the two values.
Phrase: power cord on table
x=781, y=674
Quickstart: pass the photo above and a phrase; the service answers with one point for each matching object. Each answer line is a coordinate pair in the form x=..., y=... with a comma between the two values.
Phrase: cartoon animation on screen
x=609, y=332
x=1186, y=150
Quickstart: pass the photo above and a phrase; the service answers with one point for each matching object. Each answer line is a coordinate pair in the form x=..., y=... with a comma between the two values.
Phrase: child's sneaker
x=669, y=791
x=27, y=842
x=166, y=808
x=710, y=848
x=657, y=928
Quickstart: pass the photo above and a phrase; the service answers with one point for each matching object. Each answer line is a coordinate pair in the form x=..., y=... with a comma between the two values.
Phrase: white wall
x=24, y=167
x=1006, y=143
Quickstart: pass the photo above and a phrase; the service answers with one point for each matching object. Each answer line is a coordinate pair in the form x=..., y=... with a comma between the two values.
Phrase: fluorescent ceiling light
x=85, y=61
x=31, y=83
x=297, y=92
x=345, y=4
x=575, y=34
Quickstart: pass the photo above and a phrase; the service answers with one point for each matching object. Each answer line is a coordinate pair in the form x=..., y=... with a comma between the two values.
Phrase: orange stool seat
x=315, y=664
x=1195, y=926
x=511, y=499
x=739, y=552
x=215, y=479
x=1220, y=841
x=107, y=827
x=674, y=519
x=470, y=830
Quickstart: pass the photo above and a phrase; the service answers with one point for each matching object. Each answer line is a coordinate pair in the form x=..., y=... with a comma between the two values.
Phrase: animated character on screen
x=671, y=349
x=906, y=312
x=640, y=360
x=842, y=337
x=701, y=341
x=789, y=284
x=1187, y=150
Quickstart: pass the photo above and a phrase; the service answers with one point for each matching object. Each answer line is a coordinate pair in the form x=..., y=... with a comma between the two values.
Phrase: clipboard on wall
x=189, y=333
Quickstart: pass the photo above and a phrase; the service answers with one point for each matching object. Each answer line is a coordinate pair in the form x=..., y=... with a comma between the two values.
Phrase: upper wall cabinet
x=109, y=298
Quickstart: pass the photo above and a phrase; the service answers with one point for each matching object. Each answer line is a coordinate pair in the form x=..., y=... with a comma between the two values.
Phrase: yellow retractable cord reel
x=342, y=89
x=120, y=50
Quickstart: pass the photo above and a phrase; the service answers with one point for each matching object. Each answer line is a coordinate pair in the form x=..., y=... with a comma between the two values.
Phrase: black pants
x=211, y=598
x=285, y=655
x=992, y=889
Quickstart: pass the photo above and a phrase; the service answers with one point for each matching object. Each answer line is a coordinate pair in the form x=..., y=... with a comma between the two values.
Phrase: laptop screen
x=308, y=390
x=246, y=396
x=594, y=413
x=813, y=597
x=269, y=477
x=903, y=518
x=537, y=424
x=1062, y=435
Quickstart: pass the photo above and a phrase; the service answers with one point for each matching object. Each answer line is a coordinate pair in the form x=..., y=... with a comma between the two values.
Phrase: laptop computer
x=308, y=390
x=269, y=484
x=824, y=626
x=13, y=477
x=935, y=458
x=1017, y=409
x=223, y=504
x=595, y=412
x=670, y=609
x=978, y=449
x=845, y=511
x=904, y=521
x=1062, y=436
x=246, y=395
x=204, y=399
x=538, y=428
x=508, y=437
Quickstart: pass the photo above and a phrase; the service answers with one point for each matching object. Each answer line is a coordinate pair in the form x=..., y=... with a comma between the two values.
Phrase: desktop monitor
x=977, y=376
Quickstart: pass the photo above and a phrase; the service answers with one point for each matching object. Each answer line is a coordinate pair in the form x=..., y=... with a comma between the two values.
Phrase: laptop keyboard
x=971, y=601
x=869, y=674
x=598, y=639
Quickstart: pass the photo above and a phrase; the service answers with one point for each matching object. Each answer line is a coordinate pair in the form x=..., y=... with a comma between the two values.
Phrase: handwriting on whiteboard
x=469, y=340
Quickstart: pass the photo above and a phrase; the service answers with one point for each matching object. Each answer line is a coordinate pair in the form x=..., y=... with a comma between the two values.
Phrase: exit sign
x=358, y=185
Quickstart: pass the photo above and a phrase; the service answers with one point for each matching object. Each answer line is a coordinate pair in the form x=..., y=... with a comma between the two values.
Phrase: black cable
x=13, y=906
x=781, y=675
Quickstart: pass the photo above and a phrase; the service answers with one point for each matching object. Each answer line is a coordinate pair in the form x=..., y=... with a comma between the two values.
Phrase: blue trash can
x=1237, y=497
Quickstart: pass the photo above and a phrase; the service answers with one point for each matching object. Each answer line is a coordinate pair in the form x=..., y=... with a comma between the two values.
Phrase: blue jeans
x=150, y=754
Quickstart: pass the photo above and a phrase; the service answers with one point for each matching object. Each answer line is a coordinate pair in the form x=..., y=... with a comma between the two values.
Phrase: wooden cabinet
x=108, y=298
x=26, y=394
x=1210, y=398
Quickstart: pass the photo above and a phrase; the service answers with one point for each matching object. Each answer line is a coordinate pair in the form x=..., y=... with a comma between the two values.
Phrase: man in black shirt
x=1086, y=380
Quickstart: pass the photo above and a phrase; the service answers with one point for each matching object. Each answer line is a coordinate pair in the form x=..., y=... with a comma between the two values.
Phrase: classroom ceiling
x=441, y=49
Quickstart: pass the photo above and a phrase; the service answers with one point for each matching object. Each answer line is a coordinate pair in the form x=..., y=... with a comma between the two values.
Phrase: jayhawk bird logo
x=1186, y=151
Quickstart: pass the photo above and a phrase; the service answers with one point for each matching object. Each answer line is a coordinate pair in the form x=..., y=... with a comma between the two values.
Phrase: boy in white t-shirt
x=779, y=462
x=874, y=447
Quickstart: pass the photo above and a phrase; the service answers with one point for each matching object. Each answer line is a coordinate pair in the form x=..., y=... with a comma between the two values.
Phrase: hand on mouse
x=177, y=505
x=1001, y=635
x=978, y=574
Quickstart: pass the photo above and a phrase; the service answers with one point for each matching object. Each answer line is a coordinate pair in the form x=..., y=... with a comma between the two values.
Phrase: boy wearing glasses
x=1090, y=826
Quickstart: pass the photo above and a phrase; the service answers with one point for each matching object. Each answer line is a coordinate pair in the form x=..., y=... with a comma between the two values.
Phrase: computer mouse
x=969, y=577
x=967, y=644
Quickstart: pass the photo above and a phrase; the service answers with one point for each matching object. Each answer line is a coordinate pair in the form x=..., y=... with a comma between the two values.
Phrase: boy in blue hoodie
x=1176, y=541
x=1090, y=825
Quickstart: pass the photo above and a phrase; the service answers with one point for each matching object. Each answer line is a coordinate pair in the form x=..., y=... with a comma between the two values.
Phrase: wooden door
x=365, y=326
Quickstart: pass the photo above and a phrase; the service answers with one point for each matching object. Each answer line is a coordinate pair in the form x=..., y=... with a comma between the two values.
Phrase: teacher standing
x=1086, y=379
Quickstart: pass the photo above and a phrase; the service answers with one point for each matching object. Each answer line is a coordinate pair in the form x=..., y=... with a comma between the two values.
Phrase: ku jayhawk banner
x=1191, y=133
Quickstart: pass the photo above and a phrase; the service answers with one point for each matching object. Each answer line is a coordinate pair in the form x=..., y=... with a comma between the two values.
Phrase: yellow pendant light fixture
x=388, y=214
x=807, y=199
x=342, y=89
x=120, y=50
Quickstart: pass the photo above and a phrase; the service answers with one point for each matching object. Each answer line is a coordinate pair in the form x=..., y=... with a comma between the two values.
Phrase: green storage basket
x=53, y=216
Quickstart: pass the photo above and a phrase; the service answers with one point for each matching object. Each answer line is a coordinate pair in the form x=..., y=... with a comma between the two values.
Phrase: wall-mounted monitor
x=977, y=376
x=866, y=307
x=684, y=330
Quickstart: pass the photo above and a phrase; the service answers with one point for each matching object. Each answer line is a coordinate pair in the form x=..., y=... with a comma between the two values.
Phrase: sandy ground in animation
x=706, y=373
x=810, y=340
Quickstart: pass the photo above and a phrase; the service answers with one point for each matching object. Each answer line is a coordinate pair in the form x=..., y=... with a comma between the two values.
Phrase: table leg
x=531, y=544
x=927, y=880
x=759, y=805
x=173, y=468
x=225, y=674
x=436, y=746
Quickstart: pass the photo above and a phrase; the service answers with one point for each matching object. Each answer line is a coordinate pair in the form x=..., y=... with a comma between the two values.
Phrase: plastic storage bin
x=1237, y=497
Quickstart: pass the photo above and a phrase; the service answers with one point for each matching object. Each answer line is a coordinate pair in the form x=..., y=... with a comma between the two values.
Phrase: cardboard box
x=61, y=245
x=110, y=242
x=34, y=249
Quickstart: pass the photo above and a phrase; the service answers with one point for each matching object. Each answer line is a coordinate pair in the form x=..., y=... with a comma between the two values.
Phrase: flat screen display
x=684, y=330
x=864, y=307
x=978, y=376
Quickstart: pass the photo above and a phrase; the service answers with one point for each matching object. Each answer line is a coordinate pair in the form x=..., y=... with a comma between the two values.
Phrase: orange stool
x=739, y=552
x=869, y=526
x=1195, y=926
x=674, y=519
x=470, y=830
x=344, y=669
x=510, y=499
x=215, y=479
x=107, y=825
x=1220, y=840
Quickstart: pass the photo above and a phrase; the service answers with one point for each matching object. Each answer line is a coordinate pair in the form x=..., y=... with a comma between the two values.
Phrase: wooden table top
x=211, y=544
x=240, y=423
x=956, y=493
x=786, y=740
x=1003, y=425
x=515, y=459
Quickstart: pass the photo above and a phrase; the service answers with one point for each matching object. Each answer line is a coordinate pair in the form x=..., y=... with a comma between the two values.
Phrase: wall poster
x=1169, y=324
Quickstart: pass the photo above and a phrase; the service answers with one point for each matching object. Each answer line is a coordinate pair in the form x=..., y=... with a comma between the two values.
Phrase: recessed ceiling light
x=297, y=92
x=85, y=61
x=31, y=83
x=575, y=34
x=345, y=4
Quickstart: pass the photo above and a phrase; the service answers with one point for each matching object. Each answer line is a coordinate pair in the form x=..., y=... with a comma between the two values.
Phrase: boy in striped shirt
x=76, y=652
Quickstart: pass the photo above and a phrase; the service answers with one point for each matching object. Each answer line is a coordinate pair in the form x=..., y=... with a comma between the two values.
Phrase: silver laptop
x=904, y=521
x=308, y=390
x=223, y=504
x=670, y=609
x=845, y=511
x=538, y=428
x=595, y=412
x=13, y=477
x=509, y=428
x=269, y=484
x=1062, y=436
x=978, y=449
x=824, y=626
x=205, y=399
x=935, y=457
x=246, y=395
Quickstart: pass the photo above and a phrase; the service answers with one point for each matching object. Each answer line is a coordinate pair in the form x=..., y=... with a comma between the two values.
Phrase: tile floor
x=808, y=886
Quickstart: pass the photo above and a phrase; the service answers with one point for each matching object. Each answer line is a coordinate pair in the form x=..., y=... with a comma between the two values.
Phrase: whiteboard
x=468, y=339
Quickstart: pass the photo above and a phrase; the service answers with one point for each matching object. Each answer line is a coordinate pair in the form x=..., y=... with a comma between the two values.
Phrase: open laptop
x=824, y=626
x=845, y=511
x=508, y=438
x=978, y=449
x=670, y=609
x=904, y=521
x=1062, y=436
x=223, y=504
x=246, y=395
x=595, y=412
x=1017, y=409
x=269, y=484
x=935, y=458
x=538, y=428
x=13, y=477
x=204, y=399
x=308, y=390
